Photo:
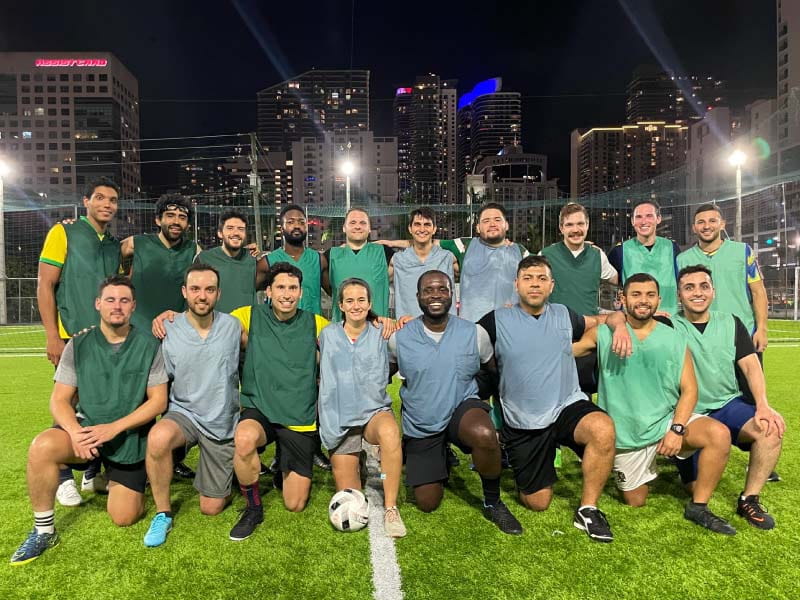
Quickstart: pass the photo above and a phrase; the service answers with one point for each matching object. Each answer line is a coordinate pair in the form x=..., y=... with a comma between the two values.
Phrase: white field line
x=386, y=580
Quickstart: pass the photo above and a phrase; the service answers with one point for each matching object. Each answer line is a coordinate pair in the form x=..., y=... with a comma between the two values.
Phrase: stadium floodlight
x=348, y=168
x=737, y=159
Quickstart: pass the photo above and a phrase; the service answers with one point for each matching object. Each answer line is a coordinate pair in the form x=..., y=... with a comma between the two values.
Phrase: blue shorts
x=733, y=415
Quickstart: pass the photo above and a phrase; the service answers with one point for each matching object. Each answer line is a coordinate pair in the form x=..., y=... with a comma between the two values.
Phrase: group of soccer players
x=233, y=375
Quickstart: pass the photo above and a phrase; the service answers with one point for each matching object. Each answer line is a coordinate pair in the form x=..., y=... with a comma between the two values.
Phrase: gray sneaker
x=705, y=518
x=392, y=523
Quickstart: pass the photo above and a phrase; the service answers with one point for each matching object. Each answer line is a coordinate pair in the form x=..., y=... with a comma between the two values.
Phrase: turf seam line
x=386, y=580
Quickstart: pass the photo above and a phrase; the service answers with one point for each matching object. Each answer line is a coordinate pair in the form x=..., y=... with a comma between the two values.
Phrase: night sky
x=200, y=63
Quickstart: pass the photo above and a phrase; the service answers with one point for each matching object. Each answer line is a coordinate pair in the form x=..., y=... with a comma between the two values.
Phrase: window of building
x=51, y=89
x=27, y=135
x=64, y=100
x=78, y=89
x=64, y=89
x=51, y=100
x=40, y=158
x=40, y=146
x=68, y=180
x=103, y=77
x=51, y=78
x=25, y=77
x=103, y=89
x=38, y=100
x=63, y=77
x=54, y=181
x=90, y=89
x=52, y=112
x=65, y=135
x=25, y=100
x=64, y=112
x=65, y=146
x=51, y=123
x=77, y=77
x=38, y=89
x=90, y=77
x=37, y=77
x=52, y=146
x=65, y=123
x=66, y=169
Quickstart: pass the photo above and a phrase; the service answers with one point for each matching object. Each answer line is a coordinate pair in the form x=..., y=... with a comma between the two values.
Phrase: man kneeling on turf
x=439, y=355
x=719, y=342
x=543, y=405
x=119, y=373
x=201, y=354
x=651, y=395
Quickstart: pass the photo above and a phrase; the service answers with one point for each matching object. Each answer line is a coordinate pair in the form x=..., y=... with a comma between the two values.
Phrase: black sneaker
x=774, y=477
x=277, y=480
x=321, y=461
x=705, y=518
x=183, y=471
x=754, y=512
x=263, y=469
x=452, y=460
x=502, y=517
x=593, y=521
x=250, y=519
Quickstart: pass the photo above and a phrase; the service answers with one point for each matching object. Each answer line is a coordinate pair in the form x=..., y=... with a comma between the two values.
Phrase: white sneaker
x=97, y=484
x=67, y=493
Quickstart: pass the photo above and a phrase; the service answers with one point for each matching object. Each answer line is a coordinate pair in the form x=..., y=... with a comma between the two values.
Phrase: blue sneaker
x=33, y=547
x=160, y=526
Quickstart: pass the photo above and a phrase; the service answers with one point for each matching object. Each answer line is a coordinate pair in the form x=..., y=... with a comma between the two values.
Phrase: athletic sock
x=64, y=474
x=44, y=521
x=491, y=490
x=580, y=508
x=92, y=470
x=251, y=494
x=166, y=513
x=701, y=504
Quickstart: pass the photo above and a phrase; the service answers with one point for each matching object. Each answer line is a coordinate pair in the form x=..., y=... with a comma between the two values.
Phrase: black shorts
x=426, y=458
x=296, y=447
x=133, y=476
x=532, y=451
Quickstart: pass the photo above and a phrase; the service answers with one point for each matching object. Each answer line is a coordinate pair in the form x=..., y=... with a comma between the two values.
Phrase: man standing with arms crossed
x=119, y=373
x=719, y=342
x=649, y=253
x=201, y=354
x=241, y=275
x=75, y=258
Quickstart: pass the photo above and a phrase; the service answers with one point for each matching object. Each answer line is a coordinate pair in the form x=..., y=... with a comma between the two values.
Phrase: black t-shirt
x=487, y=321
x=387, y=252
x=743, y=341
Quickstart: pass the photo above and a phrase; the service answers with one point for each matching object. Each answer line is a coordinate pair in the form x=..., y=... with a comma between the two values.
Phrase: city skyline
x=200, y=65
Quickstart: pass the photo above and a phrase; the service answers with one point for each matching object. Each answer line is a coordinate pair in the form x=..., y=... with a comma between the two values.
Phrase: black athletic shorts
x=532, y=451
x=426, y=458
x=132, y=476
x=296, y=447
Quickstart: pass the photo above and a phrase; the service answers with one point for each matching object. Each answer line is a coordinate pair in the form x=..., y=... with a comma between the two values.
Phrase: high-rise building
x=654, y=95
x=310, y=104
x=66, y=118
x=318, y=178
x=489, y=119
x=402, y=131
x=788, y=91
x=425, y=125
x=646, y=153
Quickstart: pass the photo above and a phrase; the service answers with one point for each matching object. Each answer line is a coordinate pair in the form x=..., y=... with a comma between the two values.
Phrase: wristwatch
x=677, y=428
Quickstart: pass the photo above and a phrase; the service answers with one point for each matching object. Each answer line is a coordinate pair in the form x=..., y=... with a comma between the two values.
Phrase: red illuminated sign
x=71, y=62
x=403, y=90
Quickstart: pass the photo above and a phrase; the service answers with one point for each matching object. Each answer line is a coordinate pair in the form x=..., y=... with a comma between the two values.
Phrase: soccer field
x=452, y=553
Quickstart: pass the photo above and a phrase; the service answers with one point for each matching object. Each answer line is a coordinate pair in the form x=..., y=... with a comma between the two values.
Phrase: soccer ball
x=348, y=510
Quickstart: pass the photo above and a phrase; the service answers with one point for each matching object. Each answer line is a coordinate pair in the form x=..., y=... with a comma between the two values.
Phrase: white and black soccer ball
x=348, y=510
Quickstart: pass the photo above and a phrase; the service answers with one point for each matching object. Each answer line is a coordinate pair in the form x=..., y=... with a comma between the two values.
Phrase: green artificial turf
x=453, y=553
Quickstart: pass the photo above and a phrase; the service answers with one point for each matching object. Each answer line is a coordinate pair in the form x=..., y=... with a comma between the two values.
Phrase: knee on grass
x=537, y=501
x=212, y=506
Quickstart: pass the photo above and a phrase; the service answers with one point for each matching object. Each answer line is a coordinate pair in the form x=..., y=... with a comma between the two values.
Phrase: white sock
x=44, y=521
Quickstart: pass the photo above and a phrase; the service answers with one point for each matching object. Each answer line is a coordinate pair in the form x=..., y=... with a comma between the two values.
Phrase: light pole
x=4, y=171
x=737, y=159
x=347, y=170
